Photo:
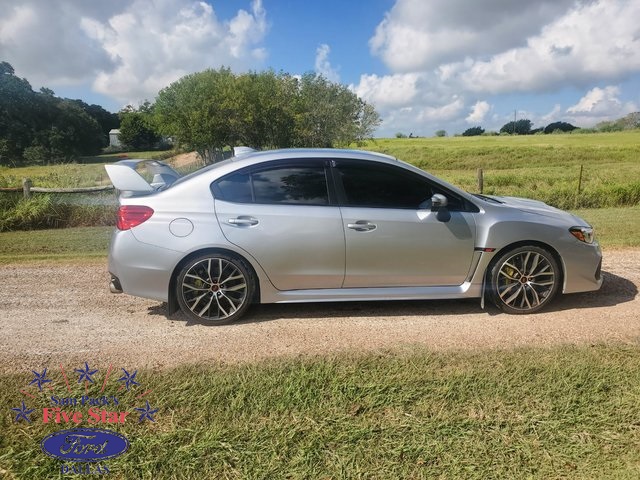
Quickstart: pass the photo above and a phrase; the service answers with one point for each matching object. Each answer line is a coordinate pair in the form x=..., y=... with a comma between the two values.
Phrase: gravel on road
x=54, y=313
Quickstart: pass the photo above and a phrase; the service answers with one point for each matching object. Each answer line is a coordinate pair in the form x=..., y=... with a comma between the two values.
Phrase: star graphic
x=129, y=378
x=86, y=373
x=147, y=413
x=23, y=413
x=39, y=378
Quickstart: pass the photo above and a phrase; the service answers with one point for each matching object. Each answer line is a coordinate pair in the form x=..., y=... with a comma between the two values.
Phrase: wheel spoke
x=235, y=288
x=514, y=296
x=536, y=297
x=196, y=277
x=220, y=306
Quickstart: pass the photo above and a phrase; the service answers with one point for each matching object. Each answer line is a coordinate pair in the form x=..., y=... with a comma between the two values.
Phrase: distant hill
x=628, y=122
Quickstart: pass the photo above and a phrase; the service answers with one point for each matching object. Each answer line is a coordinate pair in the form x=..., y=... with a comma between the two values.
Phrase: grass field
x=543, y=167
x=571, y=412
x=89, y=172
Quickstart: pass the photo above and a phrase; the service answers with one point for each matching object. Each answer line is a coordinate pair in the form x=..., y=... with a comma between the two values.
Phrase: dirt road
x=64, y=313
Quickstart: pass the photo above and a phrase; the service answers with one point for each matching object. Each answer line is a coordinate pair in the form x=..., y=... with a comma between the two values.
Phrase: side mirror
x=438, y=201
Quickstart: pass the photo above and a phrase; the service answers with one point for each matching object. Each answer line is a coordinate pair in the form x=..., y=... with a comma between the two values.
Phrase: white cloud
x=422, y=34
x=600, y=104
x=44, y=41
x=155, y=43
x=478, y=112
x=128, y=49
x=497, y=47
x=323, y=66
x=594, y=41
x=388, y=91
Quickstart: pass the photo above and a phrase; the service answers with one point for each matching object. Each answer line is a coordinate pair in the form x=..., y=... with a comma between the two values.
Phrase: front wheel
x=215, y=288
x=524, y=280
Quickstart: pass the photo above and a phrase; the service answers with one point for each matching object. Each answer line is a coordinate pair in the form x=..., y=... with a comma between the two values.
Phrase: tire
x=524, y=280
x=215, y=288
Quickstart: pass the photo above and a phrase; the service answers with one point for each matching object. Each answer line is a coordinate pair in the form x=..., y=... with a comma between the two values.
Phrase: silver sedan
x=319, y=225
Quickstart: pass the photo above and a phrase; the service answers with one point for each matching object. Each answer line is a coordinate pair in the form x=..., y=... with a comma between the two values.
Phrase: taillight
x=130, y=216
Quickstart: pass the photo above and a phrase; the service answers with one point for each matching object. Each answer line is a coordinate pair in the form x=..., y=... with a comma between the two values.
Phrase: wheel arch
x=172, y=303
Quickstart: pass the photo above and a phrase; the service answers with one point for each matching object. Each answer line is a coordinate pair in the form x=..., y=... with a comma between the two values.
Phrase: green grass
x=89, y=172
x=570, y=412
x=615, y=227
x=57, y=244
x=543, y=167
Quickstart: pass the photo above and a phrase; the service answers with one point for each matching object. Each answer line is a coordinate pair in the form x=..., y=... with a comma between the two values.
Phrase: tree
x=441, y=133
x=198, y=111
x=521, y=127
x=137, y=131
x=561, y=126
x=329, y=114
x=473, y=132
x=213, y=109
x=39, y=127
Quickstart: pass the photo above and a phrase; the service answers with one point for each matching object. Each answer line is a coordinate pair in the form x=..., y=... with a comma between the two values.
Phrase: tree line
x=205, y=111
x=38, y=127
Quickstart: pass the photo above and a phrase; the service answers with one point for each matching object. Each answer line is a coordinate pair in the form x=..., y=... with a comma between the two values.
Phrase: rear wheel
x=215, y=288
x=524, y=280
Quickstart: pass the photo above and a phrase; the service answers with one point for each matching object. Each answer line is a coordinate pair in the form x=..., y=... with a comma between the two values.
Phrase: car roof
x=256, y=157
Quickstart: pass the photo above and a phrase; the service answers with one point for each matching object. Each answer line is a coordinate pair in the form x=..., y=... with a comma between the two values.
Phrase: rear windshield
x=200, y=171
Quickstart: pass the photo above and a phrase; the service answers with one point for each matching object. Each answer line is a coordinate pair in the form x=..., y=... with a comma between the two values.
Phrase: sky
x=425, y=65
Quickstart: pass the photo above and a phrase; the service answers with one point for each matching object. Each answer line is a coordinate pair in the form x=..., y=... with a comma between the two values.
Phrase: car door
x=283, y=215
x=392, y=236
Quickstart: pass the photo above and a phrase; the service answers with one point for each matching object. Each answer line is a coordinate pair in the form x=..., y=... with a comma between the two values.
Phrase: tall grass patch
x=56, y=211
x=570, y=412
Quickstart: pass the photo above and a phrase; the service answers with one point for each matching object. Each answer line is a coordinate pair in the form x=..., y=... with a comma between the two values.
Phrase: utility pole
x=514, y=122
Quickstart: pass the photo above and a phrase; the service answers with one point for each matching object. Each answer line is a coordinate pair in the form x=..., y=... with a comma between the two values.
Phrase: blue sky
x=424, y=64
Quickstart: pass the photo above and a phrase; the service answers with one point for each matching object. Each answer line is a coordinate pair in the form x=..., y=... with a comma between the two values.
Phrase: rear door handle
x=242, y=221
x=362, y=226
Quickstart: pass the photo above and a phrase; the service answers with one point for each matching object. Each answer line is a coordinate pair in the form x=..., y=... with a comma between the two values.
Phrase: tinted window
x=374, y=185
x=279, y=184
x=235, y=188
x=307, y=185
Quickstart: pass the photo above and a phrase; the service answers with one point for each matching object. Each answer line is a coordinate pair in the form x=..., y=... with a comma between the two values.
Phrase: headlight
x=584, y=234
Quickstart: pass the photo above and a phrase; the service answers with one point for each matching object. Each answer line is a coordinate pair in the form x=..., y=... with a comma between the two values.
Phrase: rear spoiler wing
x=125, y=178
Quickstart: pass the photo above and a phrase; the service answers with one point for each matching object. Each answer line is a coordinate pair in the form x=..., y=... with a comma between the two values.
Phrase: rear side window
x=280, y=184
x=236, y=188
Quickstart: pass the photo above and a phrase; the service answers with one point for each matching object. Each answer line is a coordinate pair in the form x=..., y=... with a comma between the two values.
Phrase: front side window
x=367, y=184
x=282, y=184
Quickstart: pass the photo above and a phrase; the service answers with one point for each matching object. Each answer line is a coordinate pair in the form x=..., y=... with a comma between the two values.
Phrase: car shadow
x=615, y=290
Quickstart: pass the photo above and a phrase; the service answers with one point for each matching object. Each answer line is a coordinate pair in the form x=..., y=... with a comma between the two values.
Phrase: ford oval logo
x=84, y=445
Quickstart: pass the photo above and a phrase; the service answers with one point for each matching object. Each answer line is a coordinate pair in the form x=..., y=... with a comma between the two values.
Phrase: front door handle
x=362, y=226
x=242, y=221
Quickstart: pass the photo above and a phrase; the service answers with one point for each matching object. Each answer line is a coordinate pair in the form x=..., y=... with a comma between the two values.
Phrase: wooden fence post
x=580, y=180
x=480, y=180
x=26, y=187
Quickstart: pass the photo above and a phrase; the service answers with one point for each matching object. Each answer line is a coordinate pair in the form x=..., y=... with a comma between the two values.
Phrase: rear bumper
x=140, y=269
